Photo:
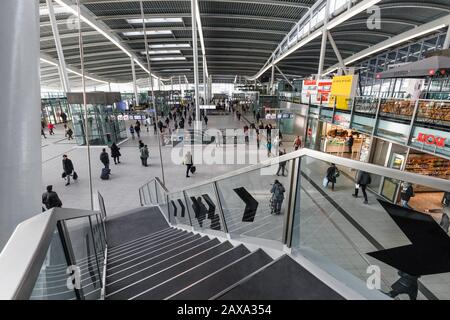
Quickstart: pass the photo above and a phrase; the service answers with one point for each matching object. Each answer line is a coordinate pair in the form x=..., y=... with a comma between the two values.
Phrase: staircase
x=169, y=263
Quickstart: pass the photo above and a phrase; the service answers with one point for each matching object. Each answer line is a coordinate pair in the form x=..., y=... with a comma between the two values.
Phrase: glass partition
x=178, y=209
x=85, y=246
x=52, y=281
x=348, y=229
x=205, y=209
x=253, y=205
x=398, y=109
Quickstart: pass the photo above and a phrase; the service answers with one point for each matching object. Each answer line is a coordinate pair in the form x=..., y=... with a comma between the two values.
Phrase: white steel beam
x=285, y=78
x=346, y=15
x=336, y=52
x=396, y=40
x=195, y=53
x=62, y=62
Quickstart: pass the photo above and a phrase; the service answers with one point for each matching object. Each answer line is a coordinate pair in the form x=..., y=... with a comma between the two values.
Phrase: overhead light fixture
x=175, y=70
x=168, y=58
x=162, y=52
x=155, y=20
x=148, y=32
x=169, y=45
x=90, y=21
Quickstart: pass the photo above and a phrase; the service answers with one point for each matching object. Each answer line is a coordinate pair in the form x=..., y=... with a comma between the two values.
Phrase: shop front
x=428, y=165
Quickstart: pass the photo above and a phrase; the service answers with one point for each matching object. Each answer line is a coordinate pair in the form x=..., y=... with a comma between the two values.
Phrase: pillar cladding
x=20, y=145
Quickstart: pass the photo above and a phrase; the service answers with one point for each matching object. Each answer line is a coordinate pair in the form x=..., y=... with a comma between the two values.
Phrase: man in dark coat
x=67, y=168
x=104, y=158
x=407, y=284
x=332, y=174
x=50, y=199
x=362, y=182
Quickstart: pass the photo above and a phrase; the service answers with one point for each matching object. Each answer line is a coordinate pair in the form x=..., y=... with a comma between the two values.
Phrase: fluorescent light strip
x=169, y=45
x=74, y=11
x=49, y=62
x=71, y=71
x=168, y=58
x=162, y=52
x=175, y=70
x=148, y=32
x=155, y=20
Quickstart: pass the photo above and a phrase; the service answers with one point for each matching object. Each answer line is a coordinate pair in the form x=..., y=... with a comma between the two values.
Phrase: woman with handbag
x=115, y=153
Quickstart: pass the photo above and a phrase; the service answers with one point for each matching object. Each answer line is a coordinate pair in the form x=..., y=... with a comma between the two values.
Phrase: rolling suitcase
x=105, y=174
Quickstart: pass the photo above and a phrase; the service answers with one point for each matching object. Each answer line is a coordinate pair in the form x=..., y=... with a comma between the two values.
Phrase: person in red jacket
x=50, y=127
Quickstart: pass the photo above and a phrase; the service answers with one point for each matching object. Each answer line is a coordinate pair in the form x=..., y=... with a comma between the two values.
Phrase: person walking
x=332, y=174
x=258, y=140
x=132, y=131
x=188, y=163
x=282, y=165
x=144, y=155
x=155, y=132
x=104, y=158
x=406, y=194
x=190, y=121
x=50, y=199
x=50, y=127
x=137, y=129
x=206, y=120
x=115, y=153
x=277, y=197
x=63, y=117
x=148, y=123
x=297, y=143
x=362, y=181
x=67, y=168
x=141, y=144
x=69, y=133
x=269, y=148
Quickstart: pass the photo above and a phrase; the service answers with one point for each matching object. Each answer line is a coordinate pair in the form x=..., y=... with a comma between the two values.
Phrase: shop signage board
x=431, y=139
x=435, y=141
x=319, y=91
x=208, y=107
x=342, y=90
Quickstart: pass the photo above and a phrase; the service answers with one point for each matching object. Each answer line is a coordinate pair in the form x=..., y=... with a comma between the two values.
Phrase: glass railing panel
x=399, y=109
x=393, y=130
x=344, y=229
x=84, y=251
x=205, y=208
x=179, y=212
x=249, y=205
x=52, y=281
x=152, y=191
x=99, y=241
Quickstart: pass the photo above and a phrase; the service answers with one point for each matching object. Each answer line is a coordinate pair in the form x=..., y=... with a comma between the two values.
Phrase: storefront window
x=363, y=123
x=393, y=131
x=397, y=108
x=326, y=114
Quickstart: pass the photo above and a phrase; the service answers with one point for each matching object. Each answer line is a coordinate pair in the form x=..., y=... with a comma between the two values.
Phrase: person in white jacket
x=188, y=163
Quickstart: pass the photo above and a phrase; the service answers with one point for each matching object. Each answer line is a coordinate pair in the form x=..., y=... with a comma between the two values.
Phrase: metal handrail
x=27, y=248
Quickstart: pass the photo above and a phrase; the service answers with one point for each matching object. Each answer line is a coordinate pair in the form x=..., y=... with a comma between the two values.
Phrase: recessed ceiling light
x=155, y=20
x=149, y=32
x=167, y=58
x=162, y=52
x=169, y=45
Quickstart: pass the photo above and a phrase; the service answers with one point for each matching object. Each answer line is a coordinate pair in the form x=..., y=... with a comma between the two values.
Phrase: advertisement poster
x=309, y=89
x=323, y=91
x=342, y=90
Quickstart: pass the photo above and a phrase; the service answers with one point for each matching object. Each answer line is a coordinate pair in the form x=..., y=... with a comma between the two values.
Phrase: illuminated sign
x=431, y=139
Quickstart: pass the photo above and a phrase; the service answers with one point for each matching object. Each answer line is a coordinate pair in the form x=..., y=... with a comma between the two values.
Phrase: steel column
x=323, y=46
x=447, y=39
x=133, y=71
x=336, y=52
x=195, y=55
x=20, y=165
x=62, y=62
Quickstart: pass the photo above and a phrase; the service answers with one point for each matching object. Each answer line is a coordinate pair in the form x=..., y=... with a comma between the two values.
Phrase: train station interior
x=225, y=150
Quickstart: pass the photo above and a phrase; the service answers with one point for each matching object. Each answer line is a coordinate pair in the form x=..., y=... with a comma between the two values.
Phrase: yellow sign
x=342, y=89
